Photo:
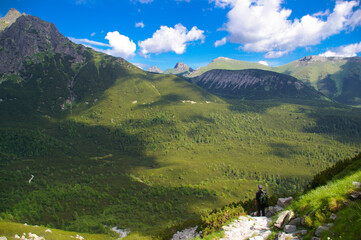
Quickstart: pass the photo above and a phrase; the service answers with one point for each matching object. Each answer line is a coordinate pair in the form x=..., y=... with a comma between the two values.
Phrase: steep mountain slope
x=254, y=84
x=337, y=78
x=180, y=69
x=110, y=144
x=228, y=64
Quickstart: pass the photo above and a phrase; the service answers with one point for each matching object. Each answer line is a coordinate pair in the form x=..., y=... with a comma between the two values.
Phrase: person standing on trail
x=261, y=201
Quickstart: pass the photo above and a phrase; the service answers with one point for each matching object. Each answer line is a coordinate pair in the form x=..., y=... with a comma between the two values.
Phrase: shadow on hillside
x=343, y=124
x=99, y=173
x=282, y=150
x=168, y=99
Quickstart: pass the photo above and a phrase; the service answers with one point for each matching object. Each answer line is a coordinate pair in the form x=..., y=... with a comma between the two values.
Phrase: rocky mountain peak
x=183, y=67
x=9, y=18
x=30, y=35
x=155, y=69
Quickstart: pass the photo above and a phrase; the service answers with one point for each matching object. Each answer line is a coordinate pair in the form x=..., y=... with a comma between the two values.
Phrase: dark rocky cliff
x=29, y=35
x=254, y=84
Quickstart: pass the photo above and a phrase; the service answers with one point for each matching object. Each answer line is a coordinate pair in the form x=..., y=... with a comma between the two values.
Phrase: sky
x=163, y=32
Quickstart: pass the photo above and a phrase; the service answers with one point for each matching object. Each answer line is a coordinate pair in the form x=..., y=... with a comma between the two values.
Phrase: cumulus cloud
x=344, y=51
x=263, y=63
x=264, y=26
x=139, y=24
x=119, y=45
x=168, y=39
x=220, y=42
x=88, y=42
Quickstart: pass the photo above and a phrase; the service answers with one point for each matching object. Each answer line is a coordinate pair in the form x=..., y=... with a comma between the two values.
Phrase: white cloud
x=139, y=24
x=223, y=3
x=88, y=42
x=121, y=46
x=168, y=39
x=263, y=63
x=93, y=34
x=264, y=26
x=344, y=51
x=220, y=42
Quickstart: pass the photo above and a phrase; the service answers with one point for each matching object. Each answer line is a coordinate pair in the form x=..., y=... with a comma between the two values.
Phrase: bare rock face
x=155, y=69
x=29, y=35
x=254, y=84
x=10, y=18
x=183, y=67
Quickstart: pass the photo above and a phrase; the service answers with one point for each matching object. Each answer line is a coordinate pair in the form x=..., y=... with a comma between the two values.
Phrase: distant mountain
x=155, y=69
x=180, y=69
x=229, y=64
x=254, y=84
x=336, y=77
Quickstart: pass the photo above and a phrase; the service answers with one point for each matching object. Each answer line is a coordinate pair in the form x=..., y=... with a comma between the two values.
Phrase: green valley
x=109, y=144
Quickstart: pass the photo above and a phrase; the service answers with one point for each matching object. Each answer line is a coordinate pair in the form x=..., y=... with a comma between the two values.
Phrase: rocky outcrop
x=9, y=18
x=254, y=84
x=28, y=36
x=155, y=69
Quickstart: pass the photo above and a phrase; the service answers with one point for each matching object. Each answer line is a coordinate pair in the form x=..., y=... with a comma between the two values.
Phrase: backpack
x=263, y=199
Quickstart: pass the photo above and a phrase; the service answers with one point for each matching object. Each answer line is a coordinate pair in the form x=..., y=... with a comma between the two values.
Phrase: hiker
x=261, y=201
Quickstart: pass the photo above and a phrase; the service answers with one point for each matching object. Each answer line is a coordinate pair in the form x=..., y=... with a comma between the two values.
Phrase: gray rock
x=296, y=222
x=271, y=211
x=356, y=184
x=333, y=216
x=302, y=232
x=355, y=195
x=320, y=230
x=3, y=238
x=256, y=238
x=284, y=202
x=290, y=228
x=315, y=238
x=284, y=218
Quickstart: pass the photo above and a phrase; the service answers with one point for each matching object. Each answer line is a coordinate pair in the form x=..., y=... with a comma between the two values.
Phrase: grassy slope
x=317, y=205
x=9, y=230
x=142, y=159
x=229, y=64
x=337, y=79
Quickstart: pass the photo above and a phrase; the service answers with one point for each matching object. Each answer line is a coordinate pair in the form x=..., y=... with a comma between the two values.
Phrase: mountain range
x=108, y=144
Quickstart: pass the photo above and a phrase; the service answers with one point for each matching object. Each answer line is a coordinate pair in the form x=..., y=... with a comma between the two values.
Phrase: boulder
x=3, y=238
x=355, y=195
x=301, y=232
x=290, y=228
x=271, y=211
x=333, y=216
x=356, y=184
x=284, y=218
x=284, y=202
x=315, y=238
x=296, y=222
x=320, y=230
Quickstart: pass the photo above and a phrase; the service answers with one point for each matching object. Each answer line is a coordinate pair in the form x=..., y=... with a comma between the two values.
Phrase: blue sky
x=163, y=32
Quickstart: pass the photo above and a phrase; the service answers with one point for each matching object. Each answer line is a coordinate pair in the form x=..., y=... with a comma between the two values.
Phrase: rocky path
x=247, y=227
